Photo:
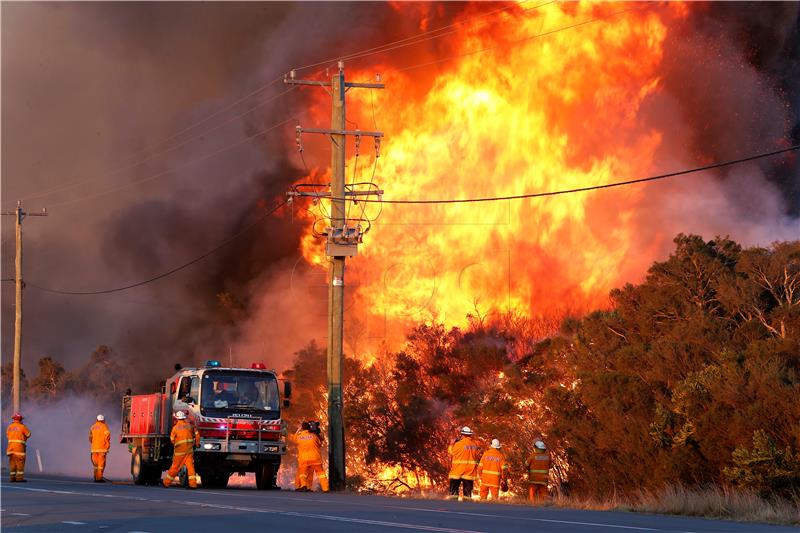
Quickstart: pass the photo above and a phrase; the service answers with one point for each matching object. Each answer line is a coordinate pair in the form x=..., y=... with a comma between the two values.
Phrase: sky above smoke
x=90, y=89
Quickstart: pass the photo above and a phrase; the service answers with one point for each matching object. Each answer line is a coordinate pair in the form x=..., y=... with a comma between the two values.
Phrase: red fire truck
x=237, y=412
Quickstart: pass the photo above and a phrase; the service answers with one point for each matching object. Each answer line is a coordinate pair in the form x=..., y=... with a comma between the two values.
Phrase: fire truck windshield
x=239, y=390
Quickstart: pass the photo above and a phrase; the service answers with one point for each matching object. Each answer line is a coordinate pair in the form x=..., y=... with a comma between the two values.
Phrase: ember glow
x=528, y=114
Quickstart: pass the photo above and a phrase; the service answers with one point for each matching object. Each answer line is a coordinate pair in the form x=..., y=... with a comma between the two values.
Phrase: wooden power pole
x=342, y=242
x=19, y=215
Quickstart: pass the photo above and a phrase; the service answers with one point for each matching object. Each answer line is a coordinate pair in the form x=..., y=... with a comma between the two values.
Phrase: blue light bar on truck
x=213, y=363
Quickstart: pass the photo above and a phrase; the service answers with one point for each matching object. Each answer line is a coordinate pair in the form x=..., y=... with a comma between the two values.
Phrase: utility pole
x=342, y=242
x=19, y=215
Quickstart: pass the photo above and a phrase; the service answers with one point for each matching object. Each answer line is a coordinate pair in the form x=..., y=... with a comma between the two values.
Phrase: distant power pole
x=19, y=215
x=342, y=242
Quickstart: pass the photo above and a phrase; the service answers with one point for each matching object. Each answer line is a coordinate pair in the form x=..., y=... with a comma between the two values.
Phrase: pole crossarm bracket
x=348, y=84
x=378, y=192
x=325, y=131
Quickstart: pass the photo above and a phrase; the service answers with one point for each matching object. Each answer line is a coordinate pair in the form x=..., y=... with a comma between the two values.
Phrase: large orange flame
x=526, y=114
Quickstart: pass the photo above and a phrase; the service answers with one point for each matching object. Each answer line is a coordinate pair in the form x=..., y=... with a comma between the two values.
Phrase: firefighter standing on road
x=184, y=438
x=17, y=434
x=492, y=470
x=100, y=439
x=309, y=459
x=538, y=465
x=464, y=469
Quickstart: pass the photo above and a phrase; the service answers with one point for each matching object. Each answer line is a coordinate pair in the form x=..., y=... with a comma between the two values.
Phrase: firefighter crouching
x=184, y=438
x=538, y=465
x=464, y=469
x=492, y=470
x=17, y=434
x=309, y=459
x=100, y=440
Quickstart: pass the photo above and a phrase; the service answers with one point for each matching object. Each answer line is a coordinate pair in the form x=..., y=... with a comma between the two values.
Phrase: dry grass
x=712, y=502
x=720, y=502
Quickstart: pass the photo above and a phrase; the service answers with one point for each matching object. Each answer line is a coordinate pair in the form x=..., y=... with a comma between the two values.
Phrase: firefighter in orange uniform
x=17, y=434
x=492, y=470
x=184, y=438
x=538, y=465
x=309, y=459
x=464, y=453
x=100, y=439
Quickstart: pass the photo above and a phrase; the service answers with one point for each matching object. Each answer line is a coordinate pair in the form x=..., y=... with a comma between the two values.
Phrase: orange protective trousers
x=179, y=461
x=16, y=466
x=307, y=469
x=486, y=490
x=99, y=462
x=537, y=492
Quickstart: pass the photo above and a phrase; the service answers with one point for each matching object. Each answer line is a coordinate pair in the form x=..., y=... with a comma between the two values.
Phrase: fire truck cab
x=237, y=412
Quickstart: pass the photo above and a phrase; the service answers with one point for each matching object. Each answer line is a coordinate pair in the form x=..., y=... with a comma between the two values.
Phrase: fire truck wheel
x=265, y=476
x=138, y=469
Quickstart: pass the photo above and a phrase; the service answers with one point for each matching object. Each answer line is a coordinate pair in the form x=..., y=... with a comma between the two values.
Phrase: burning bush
x=667, y=386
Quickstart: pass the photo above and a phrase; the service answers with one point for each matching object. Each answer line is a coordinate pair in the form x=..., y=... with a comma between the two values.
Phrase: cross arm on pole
x=325, y=131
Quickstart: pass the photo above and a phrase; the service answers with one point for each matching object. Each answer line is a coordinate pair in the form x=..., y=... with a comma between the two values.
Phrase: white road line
x=20, y=514
x=550, y=520
x=73, y=523
x=485, y=515
x=400, y=525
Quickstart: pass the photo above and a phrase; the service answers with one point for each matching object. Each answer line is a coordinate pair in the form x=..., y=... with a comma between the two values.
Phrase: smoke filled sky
x=91, y=89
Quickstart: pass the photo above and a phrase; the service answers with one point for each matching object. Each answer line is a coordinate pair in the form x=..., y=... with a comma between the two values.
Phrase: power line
x=589, y=188
x=429, y=35
x=412, y=40
x=171, y=271
x=441, y=201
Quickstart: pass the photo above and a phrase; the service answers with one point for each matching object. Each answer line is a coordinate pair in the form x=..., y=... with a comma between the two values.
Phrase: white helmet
x=180, y=415
x=496, y=444
x=539, y=444
x=100, y=418
x=466, y=431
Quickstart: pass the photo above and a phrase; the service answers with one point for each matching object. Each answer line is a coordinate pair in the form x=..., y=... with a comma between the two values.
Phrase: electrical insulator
x=358, y=142
x=298, y=132
x=292, y=74
x=377, y=147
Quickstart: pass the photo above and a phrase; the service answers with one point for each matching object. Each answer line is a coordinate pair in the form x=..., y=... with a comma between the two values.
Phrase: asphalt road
x=60, y=504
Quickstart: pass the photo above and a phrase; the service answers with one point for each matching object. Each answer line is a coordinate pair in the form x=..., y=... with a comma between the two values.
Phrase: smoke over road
x=90, y=87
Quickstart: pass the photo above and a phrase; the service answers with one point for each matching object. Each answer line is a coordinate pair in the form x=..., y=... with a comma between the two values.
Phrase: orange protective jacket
x=100, y=437
x=464, y=455
x=184, y=438
x=308, y=447
x=492, y=467
x=538, y=467
x=17, y=434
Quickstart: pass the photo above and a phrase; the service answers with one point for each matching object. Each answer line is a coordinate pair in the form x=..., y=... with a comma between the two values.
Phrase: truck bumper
x=240, y=447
